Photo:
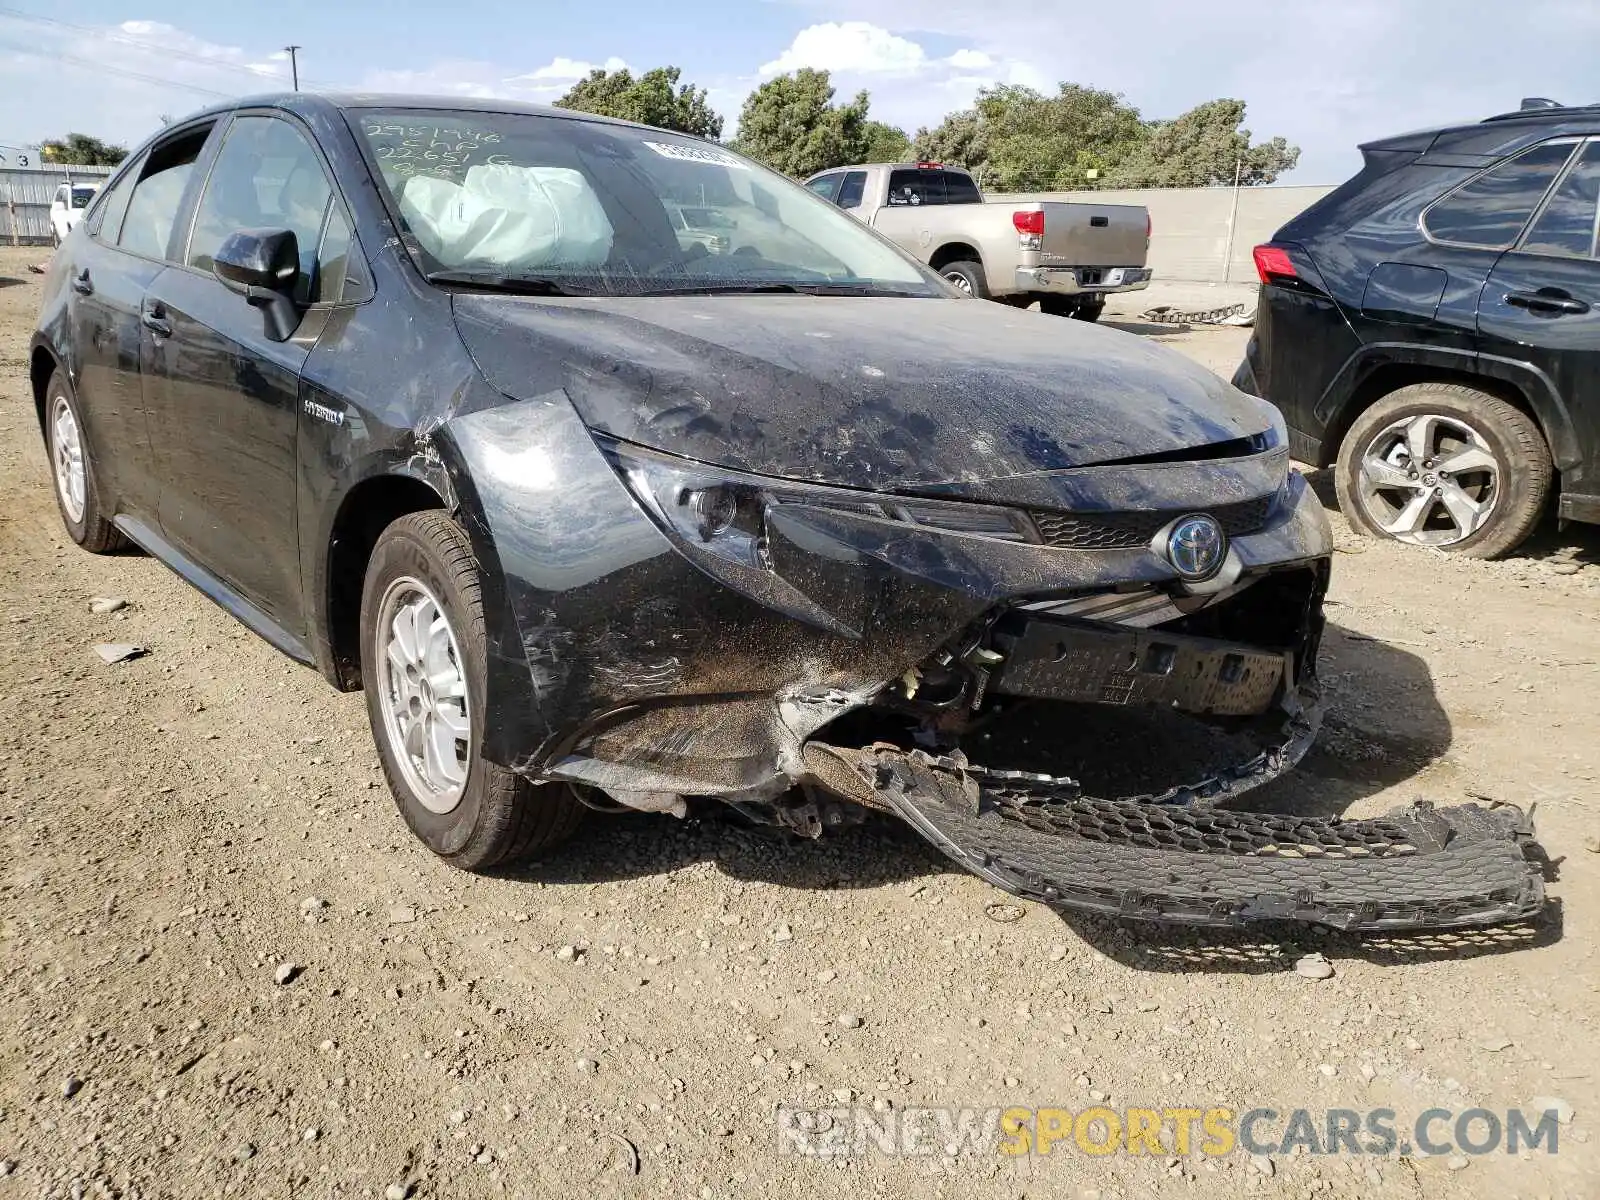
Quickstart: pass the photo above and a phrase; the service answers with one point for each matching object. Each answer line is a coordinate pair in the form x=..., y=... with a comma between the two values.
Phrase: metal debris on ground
x=1239, y=315
x=115, y=652
x=629, y=1149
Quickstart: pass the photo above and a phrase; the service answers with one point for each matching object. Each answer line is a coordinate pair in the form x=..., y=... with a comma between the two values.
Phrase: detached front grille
x=1130, y=530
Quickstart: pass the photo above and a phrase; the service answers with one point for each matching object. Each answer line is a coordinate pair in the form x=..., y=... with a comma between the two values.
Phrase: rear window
x=912, y=186
x=1490, y=211
x=1567, y=224
x=959, y=189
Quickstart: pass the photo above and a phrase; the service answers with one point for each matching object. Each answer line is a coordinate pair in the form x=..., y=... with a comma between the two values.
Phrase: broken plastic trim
x=1419, y=867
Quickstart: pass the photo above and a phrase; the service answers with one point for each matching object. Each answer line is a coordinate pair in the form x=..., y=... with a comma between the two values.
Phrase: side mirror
x=263, y=265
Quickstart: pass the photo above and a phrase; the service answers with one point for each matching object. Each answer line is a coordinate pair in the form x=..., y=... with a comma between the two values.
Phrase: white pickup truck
x=1067, y=256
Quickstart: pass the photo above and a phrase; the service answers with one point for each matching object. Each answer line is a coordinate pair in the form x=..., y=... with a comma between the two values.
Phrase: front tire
x=1447, y=466
x=423, y=666
x=87, y=523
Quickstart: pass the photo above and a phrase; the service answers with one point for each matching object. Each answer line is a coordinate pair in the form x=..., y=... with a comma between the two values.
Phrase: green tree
x=886, y=144
x=791, y=124
x=1018, y=139
x=958, y=140
x=1204, y=147
x=81, y=150
x=654, y=98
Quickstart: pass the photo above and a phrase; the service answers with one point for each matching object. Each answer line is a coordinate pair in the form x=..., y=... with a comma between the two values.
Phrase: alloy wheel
x=960, y=280
x=423, y=692
x=1429, y=480
x=66, y=453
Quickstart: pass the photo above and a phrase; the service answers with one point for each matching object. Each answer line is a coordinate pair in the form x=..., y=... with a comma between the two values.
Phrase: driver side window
x=266, y=176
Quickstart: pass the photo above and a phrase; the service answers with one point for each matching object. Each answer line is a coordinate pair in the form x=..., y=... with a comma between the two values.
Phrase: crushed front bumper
x=1041, y=839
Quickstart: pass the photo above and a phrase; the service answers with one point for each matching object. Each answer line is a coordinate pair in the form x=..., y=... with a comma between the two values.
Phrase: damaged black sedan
x=622, y=473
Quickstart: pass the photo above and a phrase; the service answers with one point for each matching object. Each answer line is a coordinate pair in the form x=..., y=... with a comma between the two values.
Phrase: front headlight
x=726, y=512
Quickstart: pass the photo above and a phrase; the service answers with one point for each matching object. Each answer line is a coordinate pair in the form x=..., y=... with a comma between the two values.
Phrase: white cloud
x=567, y=71
x=849, y=47
x=909, y=86
x=1361, y=68
x=970, y=60
x=118, y=81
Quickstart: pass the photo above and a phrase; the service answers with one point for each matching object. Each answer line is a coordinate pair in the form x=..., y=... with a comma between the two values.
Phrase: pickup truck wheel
x=1446, y=466
x=968, y=276
x=423, y=664
x=1053, y=305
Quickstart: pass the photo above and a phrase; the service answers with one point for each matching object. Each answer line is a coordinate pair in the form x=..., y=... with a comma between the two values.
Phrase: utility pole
x=294, y=65
x=1233, y=220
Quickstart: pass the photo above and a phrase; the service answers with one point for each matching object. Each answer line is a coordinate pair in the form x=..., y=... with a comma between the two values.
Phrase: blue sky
x=1324, y=75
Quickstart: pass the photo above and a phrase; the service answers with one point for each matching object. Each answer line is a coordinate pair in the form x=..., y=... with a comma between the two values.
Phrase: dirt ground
x=623, y=1019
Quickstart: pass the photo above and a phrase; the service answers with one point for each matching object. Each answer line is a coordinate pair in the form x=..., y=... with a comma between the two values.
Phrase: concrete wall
x=1190, y=239
x=25, y=194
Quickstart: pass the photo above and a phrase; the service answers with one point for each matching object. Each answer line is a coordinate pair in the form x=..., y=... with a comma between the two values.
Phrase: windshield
x=81, y=196
x=589, y=208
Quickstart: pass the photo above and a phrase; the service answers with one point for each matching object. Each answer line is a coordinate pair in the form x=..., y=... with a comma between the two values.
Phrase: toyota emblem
x=1197, y=547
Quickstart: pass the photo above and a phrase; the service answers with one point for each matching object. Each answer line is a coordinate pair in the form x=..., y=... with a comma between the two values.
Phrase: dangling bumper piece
x=1417, y=868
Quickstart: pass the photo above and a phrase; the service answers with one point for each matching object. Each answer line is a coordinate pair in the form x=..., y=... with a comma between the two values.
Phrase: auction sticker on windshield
x=696, y=154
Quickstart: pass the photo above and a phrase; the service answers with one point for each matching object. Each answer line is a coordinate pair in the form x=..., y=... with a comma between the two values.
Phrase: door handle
x=1547, y=302
x=153, y=318
x=82, y=284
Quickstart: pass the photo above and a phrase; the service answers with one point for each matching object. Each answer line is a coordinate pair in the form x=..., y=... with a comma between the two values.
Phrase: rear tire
x=1421, y=464
x=77, y=497
x=967, y=276
x=472, y=813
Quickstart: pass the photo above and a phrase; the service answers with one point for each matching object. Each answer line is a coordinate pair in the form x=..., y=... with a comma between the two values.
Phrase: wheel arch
x=43, y=362
x=365, y=510
x=954, y=252
x=1376, y=371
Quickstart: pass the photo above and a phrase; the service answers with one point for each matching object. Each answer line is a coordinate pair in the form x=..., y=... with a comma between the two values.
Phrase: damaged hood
x=879, y=393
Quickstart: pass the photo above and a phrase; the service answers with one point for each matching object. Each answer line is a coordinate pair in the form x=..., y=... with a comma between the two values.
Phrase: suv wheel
x=76, y=495
x=423, y=667
x=1444, y=465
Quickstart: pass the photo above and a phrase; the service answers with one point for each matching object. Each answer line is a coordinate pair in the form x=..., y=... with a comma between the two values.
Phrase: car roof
x=308, y=102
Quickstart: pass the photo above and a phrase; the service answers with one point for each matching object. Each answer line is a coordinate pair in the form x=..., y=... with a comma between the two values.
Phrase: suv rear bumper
x=1079, y=281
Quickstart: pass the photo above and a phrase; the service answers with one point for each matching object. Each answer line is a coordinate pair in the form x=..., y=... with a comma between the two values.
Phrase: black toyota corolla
x=606, y=512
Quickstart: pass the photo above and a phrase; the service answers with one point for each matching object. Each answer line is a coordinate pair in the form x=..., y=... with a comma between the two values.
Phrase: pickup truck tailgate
x=1093, y=235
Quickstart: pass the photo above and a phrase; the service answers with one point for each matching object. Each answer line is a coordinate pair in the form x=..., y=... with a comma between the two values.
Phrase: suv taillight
x=1030, y=227
x=1273, y=262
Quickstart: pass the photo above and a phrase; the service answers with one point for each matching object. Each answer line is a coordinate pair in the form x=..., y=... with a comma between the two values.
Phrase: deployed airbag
x=509, y=216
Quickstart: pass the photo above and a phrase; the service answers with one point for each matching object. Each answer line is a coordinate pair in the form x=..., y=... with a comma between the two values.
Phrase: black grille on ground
x=1130, y=530
x=1214, y=831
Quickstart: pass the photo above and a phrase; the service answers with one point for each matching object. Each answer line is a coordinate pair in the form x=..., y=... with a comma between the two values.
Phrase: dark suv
x=1433, y=328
